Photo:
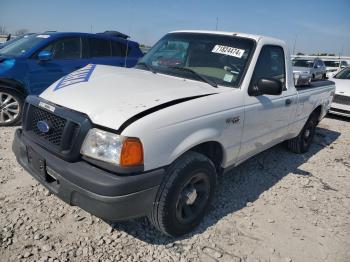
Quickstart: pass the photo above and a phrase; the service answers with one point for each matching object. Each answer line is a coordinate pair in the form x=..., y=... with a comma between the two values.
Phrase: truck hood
x=342, y=86
x=112, y=95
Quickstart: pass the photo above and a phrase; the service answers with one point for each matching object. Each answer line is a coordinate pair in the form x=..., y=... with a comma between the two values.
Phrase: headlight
x=112, y=148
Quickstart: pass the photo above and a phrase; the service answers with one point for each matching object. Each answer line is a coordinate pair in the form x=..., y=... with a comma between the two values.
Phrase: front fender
x=195, y=139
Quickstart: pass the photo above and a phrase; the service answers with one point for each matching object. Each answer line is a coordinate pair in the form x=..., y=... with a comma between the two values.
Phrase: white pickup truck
x=151, y=141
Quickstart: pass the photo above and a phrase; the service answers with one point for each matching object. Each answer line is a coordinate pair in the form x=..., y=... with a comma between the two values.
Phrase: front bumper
x=108, y=196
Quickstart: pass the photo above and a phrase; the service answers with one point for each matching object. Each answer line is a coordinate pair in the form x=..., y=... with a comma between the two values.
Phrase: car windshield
x=215, y=59
x=19, y=47
x=331, y=63
x=303, y=63
x=344, y=74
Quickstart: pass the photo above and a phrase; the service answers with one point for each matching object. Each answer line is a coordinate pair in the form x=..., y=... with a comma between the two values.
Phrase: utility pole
x=217, y=24
x=295, y=43
x=90, y=28
x=341, y=52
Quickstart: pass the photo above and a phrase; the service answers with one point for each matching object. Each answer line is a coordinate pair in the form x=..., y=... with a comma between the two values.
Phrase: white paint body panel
x=114, y=95
x=343, y=89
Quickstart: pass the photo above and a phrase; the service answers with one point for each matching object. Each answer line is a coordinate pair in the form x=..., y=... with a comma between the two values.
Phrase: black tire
x=174, y=199
x=324, y=77
x=16, y=97
x=302, y=142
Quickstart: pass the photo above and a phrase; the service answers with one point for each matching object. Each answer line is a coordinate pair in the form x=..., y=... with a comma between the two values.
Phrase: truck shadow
x=242, y=185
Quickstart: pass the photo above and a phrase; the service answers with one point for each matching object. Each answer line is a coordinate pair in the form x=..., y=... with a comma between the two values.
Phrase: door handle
x=288, y=102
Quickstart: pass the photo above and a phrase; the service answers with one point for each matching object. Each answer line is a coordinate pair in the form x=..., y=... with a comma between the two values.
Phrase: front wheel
x=11, y=103
x=185, y=195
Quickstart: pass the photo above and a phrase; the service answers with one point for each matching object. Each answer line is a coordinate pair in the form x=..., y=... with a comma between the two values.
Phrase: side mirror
x=267, y=86
x=45, y=55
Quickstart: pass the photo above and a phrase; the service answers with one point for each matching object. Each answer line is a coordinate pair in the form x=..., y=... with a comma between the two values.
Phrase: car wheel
x=185, y=195
x=302, y=142
x=11, y=103
x=324, y=77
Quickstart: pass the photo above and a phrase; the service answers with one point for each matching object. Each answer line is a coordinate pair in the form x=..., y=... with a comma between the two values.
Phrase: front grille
x=56, y=124
x=66, y=128
x=345, y=100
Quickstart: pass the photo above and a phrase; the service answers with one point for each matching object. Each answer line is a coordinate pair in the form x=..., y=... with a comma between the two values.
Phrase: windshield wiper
x=203, y=78
x=149, y=68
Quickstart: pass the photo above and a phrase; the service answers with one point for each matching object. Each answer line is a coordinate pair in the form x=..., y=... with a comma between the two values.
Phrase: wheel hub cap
x=307, y=133
x=9, y=108
x=191, y=196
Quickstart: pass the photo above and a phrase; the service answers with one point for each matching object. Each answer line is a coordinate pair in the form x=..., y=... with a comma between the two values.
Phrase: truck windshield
x=344, y=74
x=215, y=59
x=303, y=63
x=19, y=47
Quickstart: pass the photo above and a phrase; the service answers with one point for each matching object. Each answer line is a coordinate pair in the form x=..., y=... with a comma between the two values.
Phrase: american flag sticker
x=79, y=76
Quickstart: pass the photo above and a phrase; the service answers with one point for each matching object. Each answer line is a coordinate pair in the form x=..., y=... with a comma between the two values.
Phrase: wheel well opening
x=8, y=84
x=317, y=112
x=212, y=150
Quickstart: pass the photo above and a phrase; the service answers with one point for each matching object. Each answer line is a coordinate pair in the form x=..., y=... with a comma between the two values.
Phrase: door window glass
x=118, y=49
x=66, y=48
x=343, y=63
x=270, y=64
x=99, y=47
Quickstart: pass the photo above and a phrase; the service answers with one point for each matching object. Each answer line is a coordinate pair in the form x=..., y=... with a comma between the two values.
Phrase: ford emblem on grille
x=43, y=126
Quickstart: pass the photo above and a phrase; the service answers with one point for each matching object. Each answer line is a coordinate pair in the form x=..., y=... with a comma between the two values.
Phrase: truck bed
x=315, y=84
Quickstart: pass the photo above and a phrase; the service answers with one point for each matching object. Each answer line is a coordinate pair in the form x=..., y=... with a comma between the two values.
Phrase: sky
x=314, y=26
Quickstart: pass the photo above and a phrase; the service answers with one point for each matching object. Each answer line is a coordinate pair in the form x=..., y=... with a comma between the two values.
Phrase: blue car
x=31, y=64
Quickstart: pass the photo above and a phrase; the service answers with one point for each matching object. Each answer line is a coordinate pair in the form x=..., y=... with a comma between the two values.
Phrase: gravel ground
x=278, y=206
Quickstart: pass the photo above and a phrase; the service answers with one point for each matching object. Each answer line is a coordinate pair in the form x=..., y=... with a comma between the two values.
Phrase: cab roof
x=251, y=36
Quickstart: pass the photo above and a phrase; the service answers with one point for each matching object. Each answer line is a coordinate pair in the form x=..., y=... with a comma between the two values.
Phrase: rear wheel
x=11, y=103
x=302, y=142
x=185, y=195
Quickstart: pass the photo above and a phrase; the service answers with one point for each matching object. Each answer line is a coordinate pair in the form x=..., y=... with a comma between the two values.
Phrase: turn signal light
x=132, y=153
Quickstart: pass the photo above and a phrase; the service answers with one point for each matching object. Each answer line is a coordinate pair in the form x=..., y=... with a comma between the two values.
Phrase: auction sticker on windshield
x=228, y=50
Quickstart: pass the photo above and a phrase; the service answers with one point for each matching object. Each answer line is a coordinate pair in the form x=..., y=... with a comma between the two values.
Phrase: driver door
x=267, y=116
